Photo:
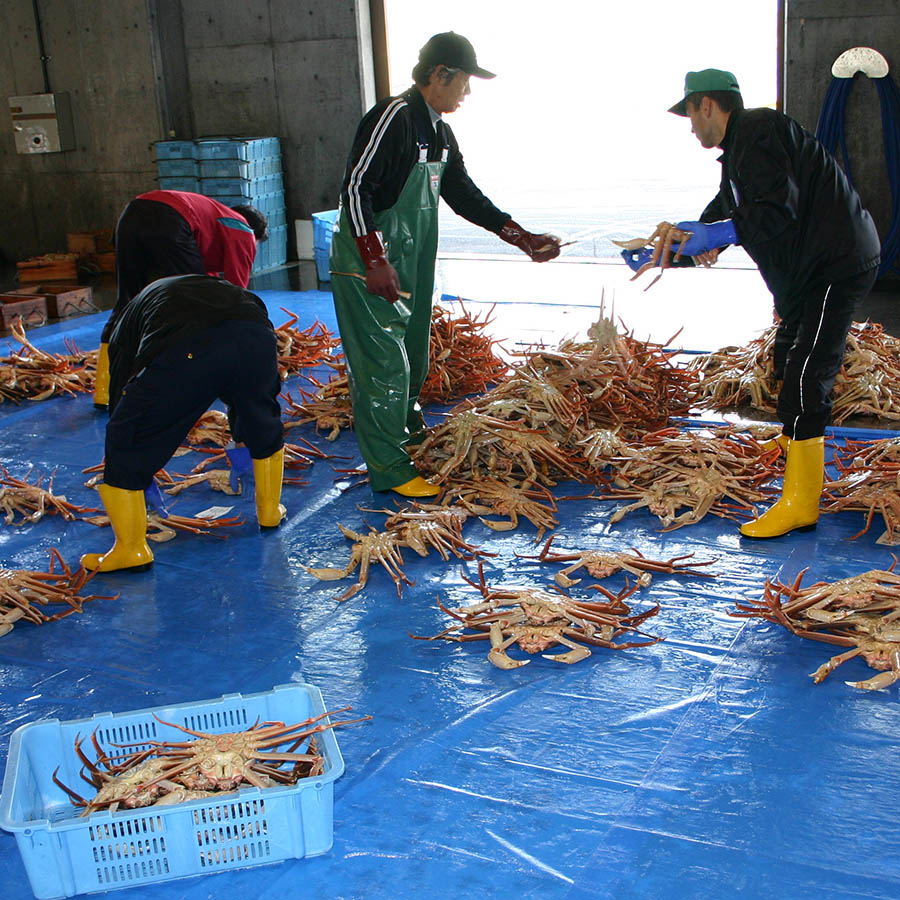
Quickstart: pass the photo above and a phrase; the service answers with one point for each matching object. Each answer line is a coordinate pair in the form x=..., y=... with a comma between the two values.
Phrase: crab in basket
x=166, y=772
x=537, y=620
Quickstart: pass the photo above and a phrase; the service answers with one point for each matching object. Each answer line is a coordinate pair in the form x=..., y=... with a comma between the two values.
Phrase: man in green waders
x=404, y=158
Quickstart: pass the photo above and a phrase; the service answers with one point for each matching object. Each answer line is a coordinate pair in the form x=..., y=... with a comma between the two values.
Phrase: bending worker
x=177, y=233
x=180, y=344
x=404, y=158
x=784, y=198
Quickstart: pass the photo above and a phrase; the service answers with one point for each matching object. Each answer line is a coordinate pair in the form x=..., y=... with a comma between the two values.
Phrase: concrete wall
x=818, y=31
x=101, y=53
x=279, y=67
x=146, y=70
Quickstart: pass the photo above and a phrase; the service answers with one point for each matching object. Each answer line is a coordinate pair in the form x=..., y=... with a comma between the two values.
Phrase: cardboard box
x=62, y=299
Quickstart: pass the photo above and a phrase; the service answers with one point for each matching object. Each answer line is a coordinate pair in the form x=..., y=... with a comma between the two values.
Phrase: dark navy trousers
x=809, y=351
x=235, y=361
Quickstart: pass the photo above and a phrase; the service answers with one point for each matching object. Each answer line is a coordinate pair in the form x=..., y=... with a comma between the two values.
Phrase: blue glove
x=154, y=499
x=706, y=236
x=241, y=465
x=637, y=258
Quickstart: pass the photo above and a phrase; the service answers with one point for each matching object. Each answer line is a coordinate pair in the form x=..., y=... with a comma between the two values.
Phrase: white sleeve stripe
x=365, y=159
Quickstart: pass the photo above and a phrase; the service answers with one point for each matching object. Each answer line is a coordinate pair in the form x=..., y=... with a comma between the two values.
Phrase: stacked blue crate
x=176, y=166
x=248, y=171
x=235, y=171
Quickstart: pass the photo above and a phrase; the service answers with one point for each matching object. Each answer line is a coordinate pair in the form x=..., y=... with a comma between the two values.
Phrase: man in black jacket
x=786, y=201
x=180, y=344
x=404, y=158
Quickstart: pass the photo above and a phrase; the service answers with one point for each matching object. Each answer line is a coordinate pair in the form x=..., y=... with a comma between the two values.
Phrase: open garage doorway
x=573, y=135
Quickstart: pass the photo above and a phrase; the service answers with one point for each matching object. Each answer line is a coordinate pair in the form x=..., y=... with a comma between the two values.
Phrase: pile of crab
x=303, y=349
x=536, y=426
x=33, y=374
x=860, y=612
x=868, y=383
x=28, y=596
x=164, y=773
x=578, y=413
x=868, y=481
x=462, y=361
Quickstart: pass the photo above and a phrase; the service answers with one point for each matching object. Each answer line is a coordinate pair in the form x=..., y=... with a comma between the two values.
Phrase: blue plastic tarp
x=707, y=765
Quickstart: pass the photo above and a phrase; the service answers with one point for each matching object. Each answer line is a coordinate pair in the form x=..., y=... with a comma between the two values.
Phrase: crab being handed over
x=600, y=564
x=661, y=241
x=376, y=546
x=537, y=620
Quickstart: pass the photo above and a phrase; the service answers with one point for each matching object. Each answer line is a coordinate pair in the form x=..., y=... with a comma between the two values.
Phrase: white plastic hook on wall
x=860, y=59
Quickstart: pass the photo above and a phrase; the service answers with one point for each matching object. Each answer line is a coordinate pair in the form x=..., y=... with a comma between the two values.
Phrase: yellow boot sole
x=417, y=487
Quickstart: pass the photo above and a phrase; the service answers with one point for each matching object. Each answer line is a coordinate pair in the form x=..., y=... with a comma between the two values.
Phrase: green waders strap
x=386, y=345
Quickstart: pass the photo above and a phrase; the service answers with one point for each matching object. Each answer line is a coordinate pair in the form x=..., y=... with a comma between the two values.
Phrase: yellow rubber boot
x=268, y=474
x=781, y=441
x=417, y=487
x=798, y=508
x=101, y=379
x=128, y=516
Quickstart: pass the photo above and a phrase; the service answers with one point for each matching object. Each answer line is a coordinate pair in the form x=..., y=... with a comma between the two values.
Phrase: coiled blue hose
x=830, y=131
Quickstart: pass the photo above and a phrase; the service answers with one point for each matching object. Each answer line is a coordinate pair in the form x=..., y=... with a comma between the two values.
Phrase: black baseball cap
x=454, y=51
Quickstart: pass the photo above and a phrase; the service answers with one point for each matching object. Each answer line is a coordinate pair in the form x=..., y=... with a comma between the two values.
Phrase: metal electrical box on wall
x=42, y=123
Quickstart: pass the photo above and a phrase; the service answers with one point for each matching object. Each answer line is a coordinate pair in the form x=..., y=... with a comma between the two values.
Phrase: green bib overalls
x=386, y=345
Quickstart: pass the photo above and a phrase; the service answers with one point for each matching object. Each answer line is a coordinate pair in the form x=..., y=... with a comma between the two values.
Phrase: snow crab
x=600, y=564
x=167, y=772
x=661, y=241
x=860, y=612
x=375, y=547
x=537, y=620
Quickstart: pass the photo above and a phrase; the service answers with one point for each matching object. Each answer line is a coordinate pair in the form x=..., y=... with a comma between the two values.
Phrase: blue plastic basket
x=175, y=150
x=240, y=168
x=272, y=252
x=238, y=148
x=323, y=230
x=66, y=855
x=176, y=168
x=180, y=183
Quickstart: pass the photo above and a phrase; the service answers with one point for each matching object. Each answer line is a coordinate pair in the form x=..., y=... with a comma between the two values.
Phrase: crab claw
x=633, y=244
x=501, y=525
x=883, y=680
x=500, y=659
x=497, y=654
x=573, y=656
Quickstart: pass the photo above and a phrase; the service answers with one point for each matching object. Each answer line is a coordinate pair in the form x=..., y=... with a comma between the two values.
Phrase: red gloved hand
x=540, y=247
x=381, y=276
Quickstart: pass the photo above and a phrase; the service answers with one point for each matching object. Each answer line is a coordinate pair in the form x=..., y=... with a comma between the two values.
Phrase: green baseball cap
x=702, y=82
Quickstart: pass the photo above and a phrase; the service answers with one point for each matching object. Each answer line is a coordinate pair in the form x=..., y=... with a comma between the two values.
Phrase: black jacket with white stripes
x=794, y=210
x=385, y=150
